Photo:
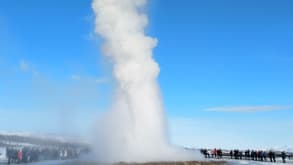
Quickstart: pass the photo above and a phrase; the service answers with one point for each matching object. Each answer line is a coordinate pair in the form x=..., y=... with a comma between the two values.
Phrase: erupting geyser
x=134, y=129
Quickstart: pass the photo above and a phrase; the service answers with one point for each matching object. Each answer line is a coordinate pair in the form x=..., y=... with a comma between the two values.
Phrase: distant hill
x=33, y=140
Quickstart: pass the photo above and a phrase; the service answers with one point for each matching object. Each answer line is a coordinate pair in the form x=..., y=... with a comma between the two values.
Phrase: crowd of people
x=255, y=155
x=33, y=154
x=22, y=148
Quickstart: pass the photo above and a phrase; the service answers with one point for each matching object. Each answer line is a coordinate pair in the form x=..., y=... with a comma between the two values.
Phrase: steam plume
x=134, y=129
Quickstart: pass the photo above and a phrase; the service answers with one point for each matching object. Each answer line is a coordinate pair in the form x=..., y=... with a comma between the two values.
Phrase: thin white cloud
x=101, y=80
x=90, y=79
x=24, y=66
x=75, y=77
x=249, y=108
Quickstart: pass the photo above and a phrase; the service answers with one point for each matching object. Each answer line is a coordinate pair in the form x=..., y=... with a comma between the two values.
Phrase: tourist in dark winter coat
x=231, y=154
x=271, y=156
x=274, y=156
x=283, y=155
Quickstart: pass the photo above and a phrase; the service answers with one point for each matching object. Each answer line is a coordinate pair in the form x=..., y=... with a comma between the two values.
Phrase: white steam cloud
x=134, y=129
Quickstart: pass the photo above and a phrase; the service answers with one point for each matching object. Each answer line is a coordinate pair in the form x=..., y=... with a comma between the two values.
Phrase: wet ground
x=152, y=163
x=149, y=163
x=212, y=162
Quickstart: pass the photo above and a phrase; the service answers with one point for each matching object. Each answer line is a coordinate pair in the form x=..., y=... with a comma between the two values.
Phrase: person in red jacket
x=214, y=153
x=19, y=155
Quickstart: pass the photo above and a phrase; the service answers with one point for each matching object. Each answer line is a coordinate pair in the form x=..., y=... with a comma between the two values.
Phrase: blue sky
x=226, y=69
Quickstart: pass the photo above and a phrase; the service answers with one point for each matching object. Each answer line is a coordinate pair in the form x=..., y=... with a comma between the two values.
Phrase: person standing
x=283, y=155
x=271, y=156
x=215, y=153
x=9, y=155
x=274, y=157
x=19, y=155
x=265, y=155
x=231, y=154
